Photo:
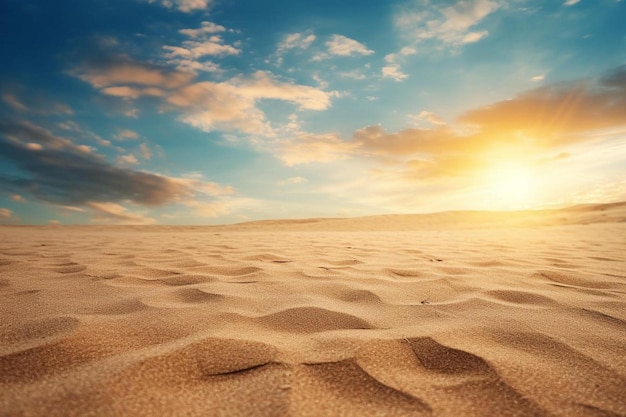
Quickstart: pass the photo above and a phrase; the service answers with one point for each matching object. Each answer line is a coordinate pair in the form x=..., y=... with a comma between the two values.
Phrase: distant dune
x=580, y=214
x=447, y=314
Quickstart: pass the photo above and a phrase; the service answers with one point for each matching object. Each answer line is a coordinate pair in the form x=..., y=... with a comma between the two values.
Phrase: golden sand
x=454, y=314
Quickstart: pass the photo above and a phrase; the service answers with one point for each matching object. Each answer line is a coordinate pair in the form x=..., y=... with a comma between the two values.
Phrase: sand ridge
x=261, y=322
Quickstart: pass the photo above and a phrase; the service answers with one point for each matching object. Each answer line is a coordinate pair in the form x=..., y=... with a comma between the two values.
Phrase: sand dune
x=451, y=314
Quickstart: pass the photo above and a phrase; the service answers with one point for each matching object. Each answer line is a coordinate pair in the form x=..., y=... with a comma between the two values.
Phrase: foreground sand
x=298, y=319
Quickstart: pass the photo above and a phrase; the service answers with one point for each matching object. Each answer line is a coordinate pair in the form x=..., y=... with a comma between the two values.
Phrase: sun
x=511, y=187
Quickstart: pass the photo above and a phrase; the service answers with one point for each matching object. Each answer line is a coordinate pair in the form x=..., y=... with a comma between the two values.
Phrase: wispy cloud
x=427, y=116
x=452, y=25
x=392, y=67
x=307, y=147
x=293, y=181
x=570, y=2
x=105, y=212
x=206, y=28
x=295, y=41
x=124, y=134
x=340, y=45
x=185, y=6
x=343, y=46
x=14, y=102
x=122, y=71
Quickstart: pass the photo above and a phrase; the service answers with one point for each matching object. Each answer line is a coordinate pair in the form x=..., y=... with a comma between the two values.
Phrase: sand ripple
x=252, y=321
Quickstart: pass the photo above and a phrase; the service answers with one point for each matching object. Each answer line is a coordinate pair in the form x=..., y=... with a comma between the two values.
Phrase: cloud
x=34, y=103
x=530, y=128
x=309, y=147
x=340, y=45
x=295, y=41
x=121, y=71
x=570, y=2
x=354, y=74
x=206, y=28
x=185, y=6
x=5, y=213
x=393, y=72
x=62, y=173
x=127, y=160
x=17, y=198
x=123, y=134
x=196, y=49
x=392, y=69
x=429, y=117
x=132, y=92
x=553, y=113
x=145, y=151
x=293, y=181
x=111, y=212
x=14, y=102
x=449, y=25
x=232, y=105
x=189, y=57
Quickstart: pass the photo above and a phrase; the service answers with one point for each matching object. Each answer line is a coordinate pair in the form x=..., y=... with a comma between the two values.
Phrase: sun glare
x=511, y=188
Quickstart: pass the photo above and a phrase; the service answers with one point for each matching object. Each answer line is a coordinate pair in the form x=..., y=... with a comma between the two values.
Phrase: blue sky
x=215, y=111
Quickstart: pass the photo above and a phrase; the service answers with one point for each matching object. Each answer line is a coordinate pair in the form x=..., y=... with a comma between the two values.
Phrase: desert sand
x=450, y=314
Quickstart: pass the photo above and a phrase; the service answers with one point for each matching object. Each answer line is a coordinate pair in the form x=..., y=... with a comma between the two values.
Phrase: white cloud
x=185, y=6
x=204, y=42
x=197, y=49
x=232, y=105
x=126, y=134
x=127, y=160
x=393, y=71
x=343, y=46
x=539, y=77
x=204, y=29
x=427, y=116
x=451, y=25
x=295, y=40
x=570, y=2
x=472, y=37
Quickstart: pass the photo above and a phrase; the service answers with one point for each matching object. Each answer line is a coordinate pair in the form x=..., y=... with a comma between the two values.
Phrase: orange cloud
x=121, y=70
x=532, y=127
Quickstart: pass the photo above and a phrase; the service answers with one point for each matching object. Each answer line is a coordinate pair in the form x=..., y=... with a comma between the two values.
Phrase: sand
x=453, y=314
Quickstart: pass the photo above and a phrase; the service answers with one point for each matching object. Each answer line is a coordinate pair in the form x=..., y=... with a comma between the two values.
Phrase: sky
x=222, y=111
